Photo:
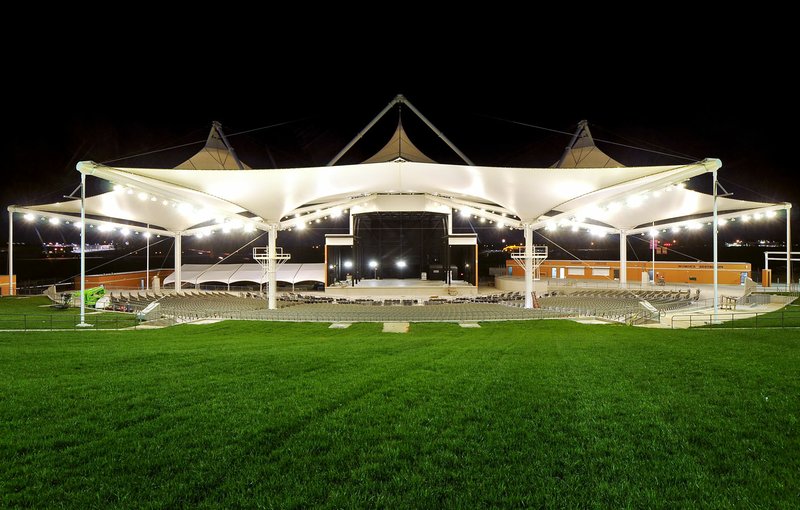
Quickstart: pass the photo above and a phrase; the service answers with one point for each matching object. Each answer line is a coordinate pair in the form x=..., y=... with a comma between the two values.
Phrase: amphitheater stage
x=410, y=287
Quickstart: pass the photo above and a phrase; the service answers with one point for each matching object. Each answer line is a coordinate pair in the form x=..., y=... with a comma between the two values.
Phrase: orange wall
x=131, y=280
x=4, y=291
x=673, y=272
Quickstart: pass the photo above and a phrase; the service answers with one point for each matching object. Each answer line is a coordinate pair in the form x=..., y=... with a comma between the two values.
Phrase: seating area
x=335, y=312
x=614, y=304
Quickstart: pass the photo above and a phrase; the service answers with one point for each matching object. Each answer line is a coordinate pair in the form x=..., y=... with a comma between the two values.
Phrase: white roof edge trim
x=89, y=221
x=220, y=206
x=705, y=219
x=326, y=211
x=478, y=210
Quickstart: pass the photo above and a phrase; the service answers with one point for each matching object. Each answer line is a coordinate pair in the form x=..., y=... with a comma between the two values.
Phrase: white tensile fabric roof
x=121, y=205
x=529, y=193
x=177, y=200
x=196, y=274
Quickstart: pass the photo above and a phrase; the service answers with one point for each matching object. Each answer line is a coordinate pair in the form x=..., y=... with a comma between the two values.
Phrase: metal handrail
x=728, y=319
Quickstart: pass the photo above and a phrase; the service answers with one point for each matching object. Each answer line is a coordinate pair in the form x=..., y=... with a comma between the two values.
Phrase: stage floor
x=403, y=287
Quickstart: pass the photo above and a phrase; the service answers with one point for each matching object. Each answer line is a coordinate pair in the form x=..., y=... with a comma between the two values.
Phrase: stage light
x=348, y=264
x=336, y=212
x=501, y=225
x=105, y=228
x=147, y=235
x=653, y=233
x=464, y=213
x=118, y=187
x=153, y=199
x=124, y=231
x=142, y=196
x=401, y=264
x=54, y=221
x=574, y=228
x=758, y=216
x=676, y=229
x=129, y=191
x=746, y=218
x=331, y=266
x=317, y=220
x=77, y=224
x=771, y=214
x=373, y=264
x=29, y=217
x=165, y=202
x=551, y=226
x=300, y=225
x=249, y=228
x=694, y=226
x=722, y=221
x=226, y=229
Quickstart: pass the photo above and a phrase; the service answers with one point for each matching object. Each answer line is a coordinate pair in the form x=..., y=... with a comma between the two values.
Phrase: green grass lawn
x=35, y=312
x=517, y=414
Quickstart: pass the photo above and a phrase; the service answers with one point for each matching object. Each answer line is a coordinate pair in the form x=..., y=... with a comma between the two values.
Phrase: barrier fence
x=50, y=322
x=786, y=318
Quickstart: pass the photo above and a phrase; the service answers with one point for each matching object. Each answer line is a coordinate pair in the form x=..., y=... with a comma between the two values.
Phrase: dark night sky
x=714, y=97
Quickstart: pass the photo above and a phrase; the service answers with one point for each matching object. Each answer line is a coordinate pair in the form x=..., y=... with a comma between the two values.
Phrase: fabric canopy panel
x=399, y=147
x=126, y=205
x=272, y=194
x=677, y=203
x=216, y=154
x=196, y=274
x=589, y=157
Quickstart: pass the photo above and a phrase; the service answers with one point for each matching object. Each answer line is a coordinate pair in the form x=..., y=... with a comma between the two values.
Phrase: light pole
x=373, y=264
x=653, y=242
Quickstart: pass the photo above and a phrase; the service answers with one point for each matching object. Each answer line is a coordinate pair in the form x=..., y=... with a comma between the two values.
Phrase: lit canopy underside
x=614, y=198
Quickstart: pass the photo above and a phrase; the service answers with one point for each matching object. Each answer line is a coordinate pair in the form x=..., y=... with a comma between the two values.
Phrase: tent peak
x=581, y=152
x=400, y=99
x=400, y=148
x=216, y=154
